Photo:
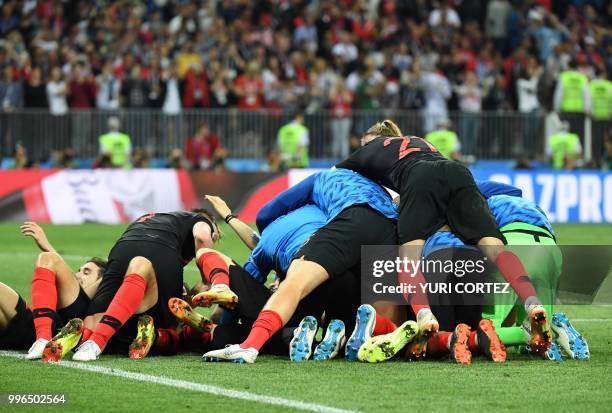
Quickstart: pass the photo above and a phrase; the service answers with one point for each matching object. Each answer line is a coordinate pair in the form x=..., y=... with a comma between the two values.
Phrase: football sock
x=511, y=336
x=438, y=343
x=167, y=341
x=124, y=305
x=268, y=322
x=418, y=300
x=473, y=343
x=383, y=326
x=513, y=271
x=190, y=337
x=213, y=268
x=44, y=301
x=86, y=334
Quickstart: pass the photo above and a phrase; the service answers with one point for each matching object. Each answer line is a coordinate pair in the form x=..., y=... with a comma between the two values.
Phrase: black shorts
x=435, y=193
x=21, y=333
x=337, y=245
x=78, y=309
x=252, y=295
x=168, y=267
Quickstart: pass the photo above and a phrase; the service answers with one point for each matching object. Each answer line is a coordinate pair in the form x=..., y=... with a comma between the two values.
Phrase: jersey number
x=404, y=150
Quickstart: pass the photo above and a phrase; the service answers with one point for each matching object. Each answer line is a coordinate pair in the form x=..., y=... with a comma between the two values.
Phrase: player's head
x=91, y=271
x=215, y=232
x=386, y=128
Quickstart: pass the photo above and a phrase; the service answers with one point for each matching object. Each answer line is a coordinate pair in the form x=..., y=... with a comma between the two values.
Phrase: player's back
x=172, y=229
x=282, y=239
x=339, y=189
x=385, y=160
x=508, y=209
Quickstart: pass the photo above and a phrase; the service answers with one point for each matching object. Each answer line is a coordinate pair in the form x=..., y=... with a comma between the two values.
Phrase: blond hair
x=385, y=128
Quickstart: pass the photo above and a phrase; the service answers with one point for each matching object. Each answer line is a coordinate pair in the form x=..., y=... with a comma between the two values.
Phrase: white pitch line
x=197, y=387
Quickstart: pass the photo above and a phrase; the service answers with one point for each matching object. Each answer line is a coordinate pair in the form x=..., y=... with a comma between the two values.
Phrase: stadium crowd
x=434, y=56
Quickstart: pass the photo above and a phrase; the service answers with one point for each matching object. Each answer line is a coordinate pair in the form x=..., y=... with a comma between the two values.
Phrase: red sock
x=124, y=305
x=438, y=343
x=513, y=271
x=86, y=334
x=44, y=301
x=268, y=322
x=472, y=343
x=191, y=338
x=383, y=326
x=167, y=341
x=214, y=269
x=419, y=299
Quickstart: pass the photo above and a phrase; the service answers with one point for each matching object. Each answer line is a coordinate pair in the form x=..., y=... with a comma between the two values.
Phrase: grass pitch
x=522, y=383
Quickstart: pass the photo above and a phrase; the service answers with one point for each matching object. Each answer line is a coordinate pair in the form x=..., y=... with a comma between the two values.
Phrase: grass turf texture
x=521, y=383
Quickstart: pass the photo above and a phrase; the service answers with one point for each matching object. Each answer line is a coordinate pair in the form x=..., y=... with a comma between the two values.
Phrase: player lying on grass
x=279, y=242
x=359, y=212
x=145, y=270
x=434, y=192
x=530, y=235
x=58, y=295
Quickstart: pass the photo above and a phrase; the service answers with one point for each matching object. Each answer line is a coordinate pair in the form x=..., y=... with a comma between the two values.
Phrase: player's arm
x=245, y=232
x=33, y=230
x=285, y=202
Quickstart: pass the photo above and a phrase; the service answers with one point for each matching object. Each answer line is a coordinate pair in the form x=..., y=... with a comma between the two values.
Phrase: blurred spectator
x=445, y=141
x=572, y=97
x=601, y=102
x=204, y=150
x=108, y=88
x=64, y=158
x=82, y=91
x=444, y=16
x=528, y=103
x=470, y=105
x=57, y=93
x=564, y=148
x=496, y=27
x=141, y=158
x=436, y=91
x=274, y=162
x=176, y=159
x=35, y=93
x=195, y=90
x=367, y=94
x=116, y=145
x=341, y=100
x=21, y=157
x=293, y=142
x=345, y=49
x=11, y=90
x=249, y=87
x=135, y=89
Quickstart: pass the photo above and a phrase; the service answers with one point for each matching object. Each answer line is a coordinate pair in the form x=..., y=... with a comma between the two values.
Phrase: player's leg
x=302, y=278
x=137, y=293
x=421, y=213
x=53, y=286
x=16, y=320
x=471, y=220
x=214, y=268
x=8, y=303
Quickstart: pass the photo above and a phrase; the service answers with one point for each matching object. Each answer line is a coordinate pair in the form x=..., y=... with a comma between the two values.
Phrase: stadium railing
x=251, y=134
